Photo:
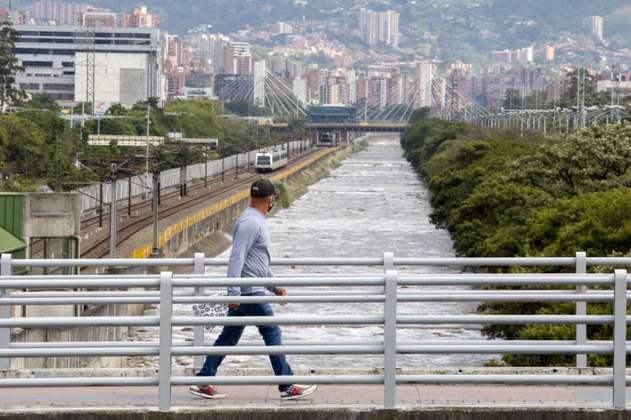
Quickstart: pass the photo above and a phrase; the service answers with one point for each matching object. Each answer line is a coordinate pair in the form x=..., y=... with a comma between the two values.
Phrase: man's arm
x=244, y=237
x=270, y=275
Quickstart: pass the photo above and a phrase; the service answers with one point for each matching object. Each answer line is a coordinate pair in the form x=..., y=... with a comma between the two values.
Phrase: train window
x=263, y=160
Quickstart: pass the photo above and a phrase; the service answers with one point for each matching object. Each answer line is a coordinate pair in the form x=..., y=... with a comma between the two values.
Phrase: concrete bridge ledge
x=324, y=413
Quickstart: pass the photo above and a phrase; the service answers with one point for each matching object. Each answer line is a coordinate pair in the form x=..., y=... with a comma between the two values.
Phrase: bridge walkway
x=327, y=395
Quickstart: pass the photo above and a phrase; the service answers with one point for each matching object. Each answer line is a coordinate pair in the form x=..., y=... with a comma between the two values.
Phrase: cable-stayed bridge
x=392, y=109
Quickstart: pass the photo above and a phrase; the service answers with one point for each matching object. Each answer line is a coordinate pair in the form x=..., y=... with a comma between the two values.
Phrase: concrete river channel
x=374, y=202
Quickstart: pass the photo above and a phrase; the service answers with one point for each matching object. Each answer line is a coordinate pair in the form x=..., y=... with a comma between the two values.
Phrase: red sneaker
x=206, y=391
x=298, y=391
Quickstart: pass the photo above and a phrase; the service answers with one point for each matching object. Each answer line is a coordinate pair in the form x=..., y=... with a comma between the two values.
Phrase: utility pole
x=205, y=166
x=113, y=215
x=148, y=128
x=155, y=204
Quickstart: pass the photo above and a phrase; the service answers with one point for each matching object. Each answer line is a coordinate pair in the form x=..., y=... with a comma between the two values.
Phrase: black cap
x=263, y=188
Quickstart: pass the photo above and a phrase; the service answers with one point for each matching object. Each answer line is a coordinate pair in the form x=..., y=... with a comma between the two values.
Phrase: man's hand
x=280, y=291
x=234, y=306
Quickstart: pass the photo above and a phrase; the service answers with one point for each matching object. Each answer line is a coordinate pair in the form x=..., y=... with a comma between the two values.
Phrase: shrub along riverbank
x=503, y=195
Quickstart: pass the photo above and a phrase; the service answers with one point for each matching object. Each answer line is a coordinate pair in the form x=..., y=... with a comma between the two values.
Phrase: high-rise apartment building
x=61, y=13
x=595, y=26
x=237, y=58
x=426, y=72
x=379, y=27
x=140, y=18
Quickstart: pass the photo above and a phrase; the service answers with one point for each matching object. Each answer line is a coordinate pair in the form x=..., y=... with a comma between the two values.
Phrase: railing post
x=581, y=310
x=166, y=311
x=390, y=341
x=620, y=339
x=388, y=261
x=198, y=330
x=5, y=311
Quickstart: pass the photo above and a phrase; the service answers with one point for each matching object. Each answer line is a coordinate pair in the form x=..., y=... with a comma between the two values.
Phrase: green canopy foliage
x=503, y=195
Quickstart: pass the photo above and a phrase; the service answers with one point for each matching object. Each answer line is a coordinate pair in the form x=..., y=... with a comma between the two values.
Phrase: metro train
x=327, y=140
x=270, y=161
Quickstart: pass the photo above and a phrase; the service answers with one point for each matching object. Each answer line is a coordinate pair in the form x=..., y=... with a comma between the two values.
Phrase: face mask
x=270, y=207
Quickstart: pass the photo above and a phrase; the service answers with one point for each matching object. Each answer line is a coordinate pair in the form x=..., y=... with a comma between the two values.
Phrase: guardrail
x=396, y=288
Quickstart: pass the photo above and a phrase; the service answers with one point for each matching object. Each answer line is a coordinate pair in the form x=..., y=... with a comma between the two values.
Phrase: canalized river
x=372, y=203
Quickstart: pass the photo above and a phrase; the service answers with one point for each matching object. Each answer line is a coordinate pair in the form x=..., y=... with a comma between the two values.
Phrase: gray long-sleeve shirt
x=250, y=255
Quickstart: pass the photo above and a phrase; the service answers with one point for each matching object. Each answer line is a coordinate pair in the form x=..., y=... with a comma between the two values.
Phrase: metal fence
x=393, y=287
x=142, y=184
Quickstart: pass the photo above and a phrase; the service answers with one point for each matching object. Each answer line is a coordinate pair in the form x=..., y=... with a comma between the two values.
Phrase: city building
x=505, y=56
x=237, y=58
x=57, y=12
x=595, y=26
x=176, y=82
x=98, y=18
x=299, y=89
x=282, y=28
x=426, y=71
x=379, y=27
x=54, y=61
x=140, y=18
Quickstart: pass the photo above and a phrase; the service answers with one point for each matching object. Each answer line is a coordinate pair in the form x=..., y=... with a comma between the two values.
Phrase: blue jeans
x=231, y=334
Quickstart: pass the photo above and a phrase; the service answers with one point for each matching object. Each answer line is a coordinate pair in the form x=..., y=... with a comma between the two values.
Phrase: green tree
x=41, y=101
x=9, y=66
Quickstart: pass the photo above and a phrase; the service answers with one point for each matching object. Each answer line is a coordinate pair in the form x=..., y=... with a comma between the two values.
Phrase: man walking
x=250, y=257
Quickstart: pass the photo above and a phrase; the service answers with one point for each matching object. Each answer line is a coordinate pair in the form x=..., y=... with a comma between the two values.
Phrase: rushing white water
x=373, y=203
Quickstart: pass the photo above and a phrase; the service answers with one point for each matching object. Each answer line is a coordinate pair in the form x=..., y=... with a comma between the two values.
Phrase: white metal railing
x=397, y=288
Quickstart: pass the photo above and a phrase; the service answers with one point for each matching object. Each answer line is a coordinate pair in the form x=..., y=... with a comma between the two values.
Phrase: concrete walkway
x=368, y=396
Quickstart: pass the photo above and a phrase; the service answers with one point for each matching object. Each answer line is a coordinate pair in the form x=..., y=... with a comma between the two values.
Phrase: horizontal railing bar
x=82, y=294
x=87, y=321
x=79, y=300
x=308, y=320
x=617, y=261
x=250, y=350
x=176, y=343
x=504, y=297
x=277, y=380
x=310, y=349
x=327, y=261
x=285, y=281
x=214, y=262
x=80, y=352
x=300, y=292
x=506, y=379
x=79, y=344
x=105, y=262
x=505, y=319
x=72, y=382
x=506, y=280
x=280, y=320
x=505, y=349
x=472, y=261
x=69, y=282
x=280, y=299
x=102, y=300
x=176, y=294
